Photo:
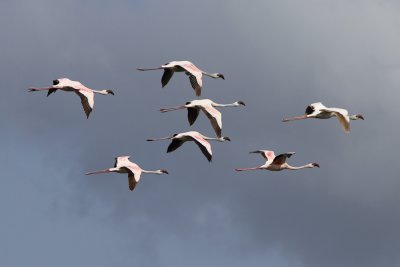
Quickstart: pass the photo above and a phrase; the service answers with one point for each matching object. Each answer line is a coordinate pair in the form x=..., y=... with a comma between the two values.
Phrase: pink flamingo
x=277, y=163
x=198, y=138
x=319, y=111
x=195, y=74
x=124, y=165
x=86, y=94
x=208, y=107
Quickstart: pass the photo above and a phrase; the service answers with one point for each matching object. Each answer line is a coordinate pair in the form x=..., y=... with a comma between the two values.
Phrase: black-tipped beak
x=227, y=139
x=111, y=92
x=221, y=76
x=361, y=117
x=242, y=103
x=316, y=165
x=164, y=171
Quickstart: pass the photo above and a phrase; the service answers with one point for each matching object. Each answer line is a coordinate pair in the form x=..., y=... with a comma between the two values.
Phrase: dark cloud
x=277, y=56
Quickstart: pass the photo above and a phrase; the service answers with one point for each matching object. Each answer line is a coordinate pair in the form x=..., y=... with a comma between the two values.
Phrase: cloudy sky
x=278, y=56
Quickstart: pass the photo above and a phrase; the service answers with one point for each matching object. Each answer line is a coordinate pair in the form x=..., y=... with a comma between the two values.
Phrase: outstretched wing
x=204, y=146
x=269, y=155
x=166, y=76
x=53, y=90
x=215, y=118
x=314, y=107
x=280, y=159
x=122, y=160
x=342, y=115
x=193, y=113
x=87, y=100
x=197, y=83
x=134, y=173
x=195, y=76
x=131, y=181
x=175, y=144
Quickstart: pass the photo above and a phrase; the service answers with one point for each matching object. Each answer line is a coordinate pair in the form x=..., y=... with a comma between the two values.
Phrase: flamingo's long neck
x=155, y=172
x=288, y=167
x=220, y=139
x=102, y=92
x=212, y=75
x=354, y=117
x=235, y=104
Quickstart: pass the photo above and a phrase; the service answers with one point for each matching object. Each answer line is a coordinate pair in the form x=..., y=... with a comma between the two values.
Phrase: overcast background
x=278, y=56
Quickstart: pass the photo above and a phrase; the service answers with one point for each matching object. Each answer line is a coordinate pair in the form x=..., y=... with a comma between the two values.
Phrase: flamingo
x=124, y=165
x=208, y=107
x=86, y=94
x=277, y=163
x=319, y=111
x=198, y=138
x=195, y=74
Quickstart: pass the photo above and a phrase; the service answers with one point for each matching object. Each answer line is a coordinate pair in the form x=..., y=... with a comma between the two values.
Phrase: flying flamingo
x=124, y=165
x=277, y=163
x=195, y=74
x=208, y=107
x=86, y=94
x=319, y=111
x=198, y=138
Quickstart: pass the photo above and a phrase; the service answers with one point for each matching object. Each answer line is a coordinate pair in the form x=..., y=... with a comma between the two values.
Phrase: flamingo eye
x=55, y=82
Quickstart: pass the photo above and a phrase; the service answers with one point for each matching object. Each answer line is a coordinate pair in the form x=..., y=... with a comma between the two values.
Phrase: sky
x=277, y=57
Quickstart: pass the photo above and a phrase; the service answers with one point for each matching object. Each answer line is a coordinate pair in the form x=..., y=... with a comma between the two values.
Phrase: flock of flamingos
x=124, y=165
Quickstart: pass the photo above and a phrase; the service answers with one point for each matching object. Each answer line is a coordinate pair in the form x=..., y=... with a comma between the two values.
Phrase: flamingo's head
x=360, y=117
x=111, y=92
x=225, y=138
x=220, y=75
x=315, y=165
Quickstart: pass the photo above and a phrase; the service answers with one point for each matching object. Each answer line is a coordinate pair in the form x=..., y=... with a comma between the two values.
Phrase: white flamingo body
x=277, y=163
x=86, y=94
x=198, y=138
x=209, y=109
x=195, y=74
x=319, y=111
x=124, y=165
